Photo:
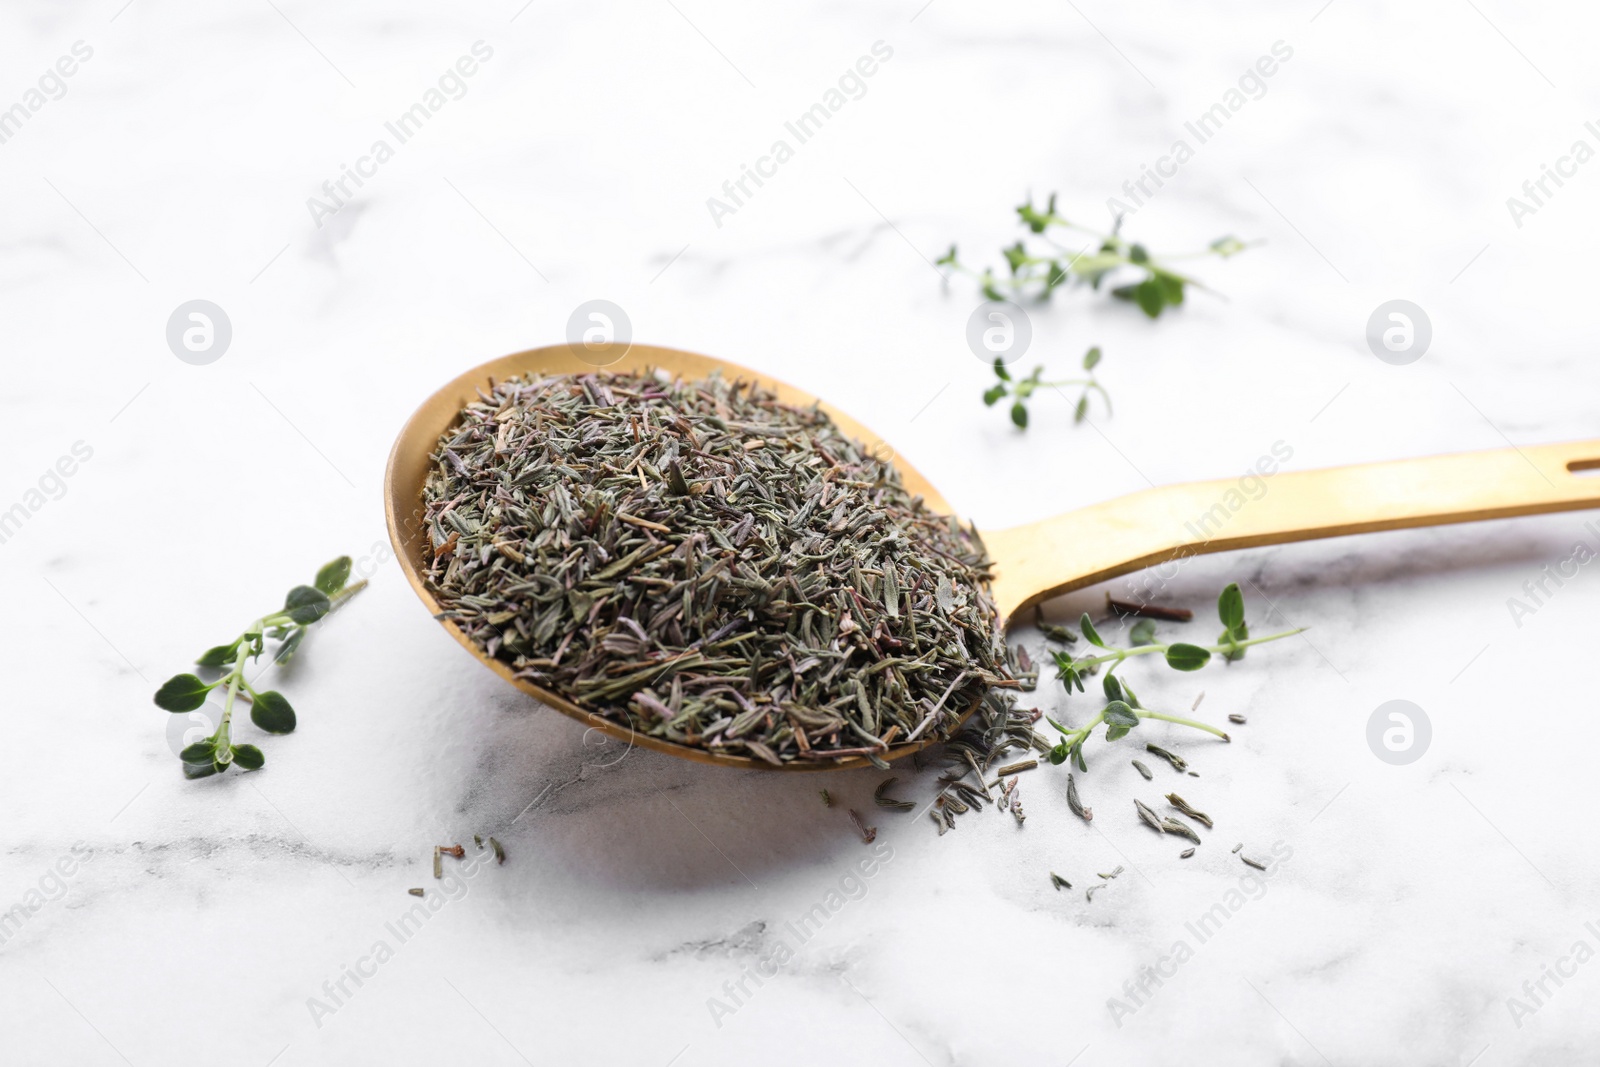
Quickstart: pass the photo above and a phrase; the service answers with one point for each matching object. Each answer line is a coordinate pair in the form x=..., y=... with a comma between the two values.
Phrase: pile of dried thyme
x=709, y=566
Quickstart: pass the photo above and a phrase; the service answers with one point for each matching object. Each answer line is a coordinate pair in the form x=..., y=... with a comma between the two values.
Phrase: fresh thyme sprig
x=1231, y=644
x=1020, y=389
x=1151, y=283
x=304, y=605
x=1123, y=712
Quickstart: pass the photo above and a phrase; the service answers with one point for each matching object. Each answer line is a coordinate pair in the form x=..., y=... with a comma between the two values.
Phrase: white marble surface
x=177, y=165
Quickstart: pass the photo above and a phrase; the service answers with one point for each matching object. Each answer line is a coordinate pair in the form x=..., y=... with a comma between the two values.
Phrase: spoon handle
x=1044, y=559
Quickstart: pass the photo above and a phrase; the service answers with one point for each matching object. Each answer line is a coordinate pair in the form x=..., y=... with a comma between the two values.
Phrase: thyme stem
x=1207, y=727
x=1120, y=654
x=234, y=680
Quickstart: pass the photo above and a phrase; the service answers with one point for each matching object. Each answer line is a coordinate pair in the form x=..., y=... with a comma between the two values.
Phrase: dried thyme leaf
x=1184, y=806
x=1179, y=764
x=1059, y=634
x=1181, y=828
x=889, y=802
x=1148, y=816
x=1073, y=802
x=1059, y=882
x=1018, y=767
x=1142, y=769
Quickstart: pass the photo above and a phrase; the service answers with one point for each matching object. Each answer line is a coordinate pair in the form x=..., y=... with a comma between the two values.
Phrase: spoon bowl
x=1054, y=556
x=410, y=462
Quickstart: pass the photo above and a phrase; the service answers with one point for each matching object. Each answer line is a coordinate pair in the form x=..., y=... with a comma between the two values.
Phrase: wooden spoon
x=1054, y=556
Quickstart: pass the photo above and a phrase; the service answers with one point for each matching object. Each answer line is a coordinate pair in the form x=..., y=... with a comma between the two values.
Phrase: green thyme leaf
x=331, y=578
x=249, y=757
x=291, y=643
x=1143, y=632
x=306, y=605
x=272, y=713
x=1230, y=607
x=1016, y=257
x=220, y=656
x=1031, y=217
x=1171, y=287
x=1150, y=297
x=199, y=752
x=1118, y=713
x=1086, y=627
x=182, y=692
x=1184, y=657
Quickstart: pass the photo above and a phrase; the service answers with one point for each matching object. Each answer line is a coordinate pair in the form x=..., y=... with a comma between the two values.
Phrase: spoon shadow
x=620, y=819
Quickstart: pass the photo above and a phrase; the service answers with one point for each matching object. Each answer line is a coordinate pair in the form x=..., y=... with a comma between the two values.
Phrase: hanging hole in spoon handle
x=1081, y=548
